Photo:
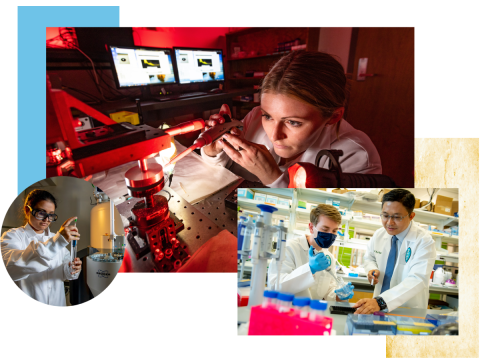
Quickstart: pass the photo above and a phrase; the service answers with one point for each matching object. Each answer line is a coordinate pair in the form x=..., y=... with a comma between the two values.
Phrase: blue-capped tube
x=301, y=306
x=269, y=299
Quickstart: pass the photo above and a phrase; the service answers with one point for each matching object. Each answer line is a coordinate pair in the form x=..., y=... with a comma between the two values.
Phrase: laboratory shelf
x=453, y=239
x=450, y=258
x=320, y=196
x=249, y=204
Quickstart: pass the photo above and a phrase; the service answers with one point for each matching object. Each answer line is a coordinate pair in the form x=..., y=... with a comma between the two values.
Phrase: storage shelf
x=258, y=56
x=249, y=204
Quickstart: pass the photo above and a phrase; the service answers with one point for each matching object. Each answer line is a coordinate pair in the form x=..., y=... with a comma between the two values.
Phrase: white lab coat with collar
x=37, y=263
x=296, y=276
x=359, y=153
x=409, y=285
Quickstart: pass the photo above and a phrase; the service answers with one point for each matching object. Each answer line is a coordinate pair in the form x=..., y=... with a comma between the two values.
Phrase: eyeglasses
x=42, y=215
x=395, y=218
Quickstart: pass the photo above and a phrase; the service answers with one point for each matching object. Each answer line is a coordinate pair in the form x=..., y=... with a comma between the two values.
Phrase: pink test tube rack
x=268, y=321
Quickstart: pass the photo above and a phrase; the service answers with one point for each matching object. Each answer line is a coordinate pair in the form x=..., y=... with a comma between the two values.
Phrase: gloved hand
x=346, y=292
x=317, y=262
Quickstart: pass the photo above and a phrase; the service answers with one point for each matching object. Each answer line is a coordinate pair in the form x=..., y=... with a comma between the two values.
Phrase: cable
x=170, y=195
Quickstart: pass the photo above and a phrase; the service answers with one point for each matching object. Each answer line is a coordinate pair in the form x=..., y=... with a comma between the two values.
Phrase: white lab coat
x=410, y=280
x=37, y=263
x=359, y=153
x=296, y=276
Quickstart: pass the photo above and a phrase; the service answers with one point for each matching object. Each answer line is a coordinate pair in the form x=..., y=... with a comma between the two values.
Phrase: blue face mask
x=324, y=240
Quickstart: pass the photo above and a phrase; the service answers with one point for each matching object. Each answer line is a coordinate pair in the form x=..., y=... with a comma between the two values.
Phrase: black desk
x=155, y=113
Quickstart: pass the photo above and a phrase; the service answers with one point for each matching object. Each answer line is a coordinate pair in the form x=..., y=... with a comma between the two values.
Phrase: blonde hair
x=314, y=77
x=329, y=211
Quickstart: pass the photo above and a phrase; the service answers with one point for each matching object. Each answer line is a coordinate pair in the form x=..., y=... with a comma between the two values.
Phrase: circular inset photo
x=62, y=241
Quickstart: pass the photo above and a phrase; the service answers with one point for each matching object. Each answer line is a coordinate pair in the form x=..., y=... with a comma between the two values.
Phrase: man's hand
x=373, y=274
x=252, y=157
x=366, y=306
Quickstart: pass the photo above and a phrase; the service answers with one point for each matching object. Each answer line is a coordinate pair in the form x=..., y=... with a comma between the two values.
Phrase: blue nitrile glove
x=346, y=292
x=317, y=262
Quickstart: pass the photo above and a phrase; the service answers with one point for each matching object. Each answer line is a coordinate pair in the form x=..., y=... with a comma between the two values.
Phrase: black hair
x=405, y=197
x=34, y=197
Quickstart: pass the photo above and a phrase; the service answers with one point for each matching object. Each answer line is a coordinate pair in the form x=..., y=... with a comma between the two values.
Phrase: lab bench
x=340, y=320
x=154, y=112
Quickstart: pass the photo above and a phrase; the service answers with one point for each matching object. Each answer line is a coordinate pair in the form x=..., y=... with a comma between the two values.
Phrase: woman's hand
x=76, y=266
x=69, y=232
x=253, y=157
x=216, y=147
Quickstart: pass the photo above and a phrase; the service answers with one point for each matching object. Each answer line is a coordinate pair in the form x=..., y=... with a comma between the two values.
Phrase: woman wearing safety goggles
x=36, y=258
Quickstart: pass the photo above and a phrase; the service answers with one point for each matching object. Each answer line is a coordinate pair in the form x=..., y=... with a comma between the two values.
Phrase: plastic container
x=302, y=306
x=370, y=325
x=413, y=326
x=240, y=233
x=438, y=320
x=269, y=299
x=284, y=302
x=317, y=309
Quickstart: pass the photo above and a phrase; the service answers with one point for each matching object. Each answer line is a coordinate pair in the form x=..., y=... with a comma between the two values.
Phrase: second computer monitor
x=199, y=65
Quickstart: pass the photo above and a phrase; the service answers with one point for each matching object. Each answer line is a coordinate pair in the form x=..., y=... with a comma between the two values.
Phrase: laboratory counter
x=361, y=282
x=155, y=111
x=340, y=320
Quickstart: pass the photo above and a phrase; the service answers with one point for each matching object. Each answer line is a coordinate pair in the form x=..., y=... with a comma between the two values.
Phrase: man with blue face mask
x=306, y=259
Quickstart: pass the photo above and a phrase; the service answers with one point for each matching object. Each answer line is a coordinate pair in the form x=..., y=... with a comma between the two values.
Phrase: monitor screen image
x=197, y=65
x=142, y=66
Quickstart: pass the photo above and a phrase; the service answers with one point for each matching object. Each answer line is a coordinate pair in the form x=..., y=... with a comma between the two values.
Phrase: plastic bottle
x=240, y=233
x=269, y=299
x=317, y=309
x=301, y=306
x=284, y=301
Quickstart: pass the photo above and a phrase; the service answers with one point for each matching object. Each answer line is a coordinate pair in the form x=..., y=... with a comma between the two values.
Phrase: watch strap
x=381, y=303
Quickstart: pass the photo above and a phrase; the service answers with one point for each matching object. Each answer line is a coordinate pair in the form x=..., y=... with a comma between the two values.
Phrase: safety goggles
x=42, y=215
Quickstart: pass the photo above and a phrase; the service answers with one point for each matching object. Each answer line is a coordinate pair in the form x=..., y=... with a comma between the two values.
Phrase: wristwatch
x=381, y=303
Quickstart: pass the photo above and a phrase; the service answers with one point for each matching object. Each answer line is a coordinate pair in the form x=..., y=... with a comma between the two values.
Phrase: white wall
x=336, y=41
x=73, y=199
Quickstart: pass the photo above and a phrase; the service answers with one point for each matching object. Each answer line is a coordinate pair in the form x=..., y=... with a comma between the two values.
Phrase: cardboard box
x=340, y=191
x=283, y=202
x=417, y=203
x=443, y=205
x=272, y=200
x=383, y=192
x=260, y=197
x=246, y=193
x=454, y=207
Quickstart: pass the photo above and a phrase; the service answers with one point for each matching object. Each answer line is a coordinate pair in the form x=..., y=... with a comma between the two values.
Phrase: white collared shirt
x=37, y=263
x=359, y=153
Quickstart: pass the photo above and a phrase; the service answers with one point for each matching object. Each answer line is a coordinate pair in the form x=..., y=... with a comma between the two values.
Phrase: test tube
x=73, y=250
x=301, y=306
x=317, y=309
x=284, y=301
x=269, y=299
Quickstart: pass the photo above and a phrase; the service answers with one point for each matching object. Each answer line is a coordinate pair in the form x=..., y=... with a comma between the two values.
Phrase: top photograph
x=204, y=111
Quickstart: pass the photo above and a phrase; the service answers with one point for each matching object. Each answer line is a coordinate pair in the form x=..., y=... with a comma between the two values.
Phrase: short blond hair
x=328, y=210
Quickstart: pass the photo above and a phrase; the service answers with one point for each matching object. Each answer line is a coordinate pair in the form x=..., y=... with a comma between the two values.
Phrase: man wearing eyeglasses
x=399, y=258
x=37, y=259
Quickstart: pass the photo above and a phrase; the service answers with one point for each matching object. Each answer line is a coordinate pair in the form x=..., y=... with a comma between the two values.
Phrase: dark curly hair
x=33, y=198
x=405, y=197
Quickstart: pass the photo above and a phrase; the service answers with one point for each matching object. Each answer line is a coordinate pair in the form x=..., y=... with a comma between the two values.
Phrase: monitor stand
x=147, y=95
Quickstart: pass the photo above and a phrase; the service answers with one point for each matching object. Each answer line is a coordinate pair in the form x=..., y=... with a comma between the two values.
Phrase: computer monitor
x=141, y=66
x=196, y=65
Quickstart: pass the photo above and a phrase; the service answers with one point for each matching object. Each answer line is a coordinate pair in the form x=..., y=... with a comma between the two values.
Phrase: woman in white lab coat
x=299, y=274
x=37, y=259
x=302, y=106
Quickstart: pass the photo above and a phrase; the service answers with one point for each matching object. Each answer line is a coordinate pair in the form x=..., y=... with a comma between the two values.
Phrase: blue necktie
x=390, y=265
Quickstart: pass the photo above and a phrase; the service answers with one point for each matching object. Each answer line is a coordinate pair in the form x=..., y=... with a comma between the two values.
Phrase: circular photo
x=62, y=241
